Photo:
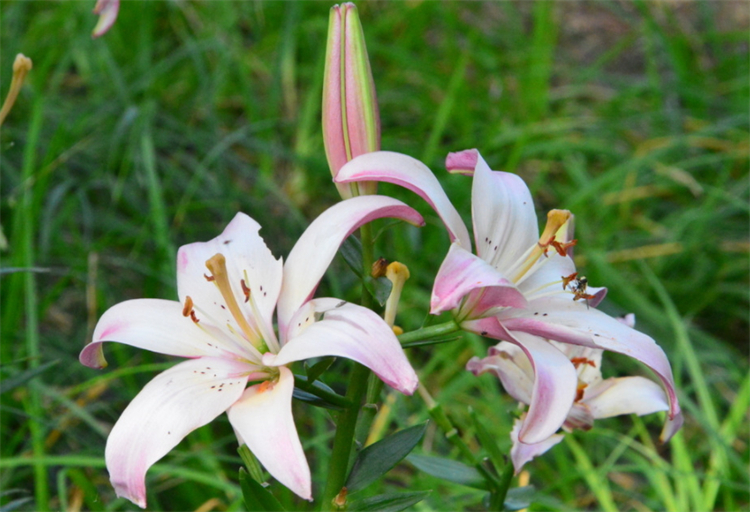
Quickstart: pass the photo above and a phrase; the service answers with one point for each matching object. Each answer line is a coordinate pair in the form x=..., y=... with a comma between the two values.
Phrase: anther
x=188, y=307
x=245, y=290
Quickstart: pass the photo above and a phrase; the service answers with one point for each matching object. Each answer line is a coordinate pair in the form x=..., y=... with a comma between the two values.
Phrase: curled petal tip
x=462, y=162
x=107, y=11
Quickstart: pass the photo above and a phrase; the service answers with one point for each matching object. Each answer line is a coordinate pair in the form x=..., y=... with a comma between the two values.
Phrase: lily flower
x=351, y=121
x=228, y=290
x=519, y=286
x=595, y=397
x=107, y=11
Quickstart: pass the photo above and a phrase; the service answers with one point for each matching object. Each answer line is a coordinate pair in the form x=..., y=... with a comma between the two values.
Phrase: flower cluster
x=513, y=284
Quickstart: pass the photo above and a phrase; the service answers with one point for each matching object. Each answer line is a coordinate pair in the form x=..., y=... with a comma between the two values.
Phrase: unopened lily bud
x=351, y=121
x=107, y=11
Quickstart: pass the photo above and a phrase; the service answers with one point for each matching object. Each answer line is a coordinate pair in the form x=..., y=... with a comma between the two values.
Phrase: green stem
x=346, y=426
x=316, y=389
x=34, y=403
x=452, y=435
x=497, y=502
x=342, y=441
x=432, y=331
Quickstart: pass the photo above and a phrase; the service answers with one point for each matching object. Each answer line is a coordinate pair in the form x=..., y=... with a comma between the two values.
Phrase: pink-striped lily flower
x=520, y=286
x=228, y=289
x=107, y=11
x=595, y=397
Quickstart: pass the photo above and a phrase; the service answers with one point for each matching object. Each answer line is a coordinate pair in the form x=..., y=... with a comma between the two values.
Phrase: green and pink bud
x=351, y=121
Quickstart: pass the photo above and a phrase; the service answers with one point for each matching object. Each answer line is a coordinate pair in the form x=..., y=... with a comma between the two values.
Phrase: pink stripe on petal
x=462, y=162
x=412, y=174
x=461, y=273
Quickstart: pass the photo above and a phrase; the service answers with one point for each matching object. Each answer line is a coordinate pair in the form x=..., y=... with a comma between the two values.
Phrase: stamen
x=566, y=280
x=579, y=391
x=397, y=273
x=217, y=264
x=556, y=219
x=188, y=308
x=21, y=67
x=577, y=361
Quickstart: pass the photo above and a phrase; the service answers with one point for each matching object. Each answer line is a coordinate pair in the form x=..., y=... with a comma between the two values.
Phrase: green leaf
x=318, y=368
x=488, y=441
x=519, y=497
x=432, y=341
x=314, y=400
x=393, y=502
x=379, y=288
x=9, y=383
x=378, y=458
x=256, y=496
x=251, y=463
x=451, y=470
x=351, y=250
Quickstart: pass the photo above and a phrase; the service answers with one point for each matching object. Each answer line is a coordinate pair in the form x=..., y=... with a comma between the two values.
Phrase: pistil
x=218, y=266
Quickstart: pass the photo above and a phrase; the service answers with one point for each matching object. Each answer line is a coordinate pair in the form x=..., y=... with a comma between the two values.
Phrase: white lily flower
x=595, y=397
x=228, y=290
x=520, y=286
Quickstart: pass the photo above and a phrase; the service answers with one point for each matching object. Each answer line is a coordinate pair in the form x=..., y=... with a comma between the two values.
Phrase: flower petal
x=521, y=453
x=462, y=162
x=317, y=246
x=263, y=419
x=511, y=366
x=505, y=223
x=350, y=331
x=156, y=325
x=555, y=378
x=248, y=260
x=460, y=273
x=107, y=11
x=173, y=404
x=410, y=173
x=625, y=395
x=572, y=322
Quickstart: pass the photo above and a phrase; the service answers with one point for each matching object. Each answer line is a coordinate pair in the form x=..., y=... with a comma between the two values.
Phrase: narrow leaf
x=256, y=496
x=351, y=250
x=519, y=497
x=314, y=400
x=488, y=442
x=379, y=288
x=251, y=463
x=392, y=502
x=12, y=382
x=377, y=459
x=318, y=368
x=450, y=470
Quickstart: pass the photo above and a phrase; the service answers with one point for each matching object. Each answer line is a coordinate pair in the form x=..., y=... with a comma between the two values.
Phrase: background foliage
x=634, y=115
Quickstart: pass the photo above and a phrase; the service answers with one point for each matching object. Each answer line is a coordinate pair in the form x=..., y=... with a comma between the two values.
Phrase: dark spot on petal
x=227, y=242
x=484, y=333
x=544, y=314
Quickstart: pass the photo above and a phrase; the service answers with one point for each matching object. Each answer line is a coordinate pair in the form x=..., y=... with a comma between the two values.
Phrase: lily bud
x=351, y=121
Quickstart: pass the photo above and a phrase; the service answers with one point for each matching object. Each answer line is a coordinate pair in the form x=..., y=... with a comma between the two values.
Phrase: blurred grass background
x=634, y=115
